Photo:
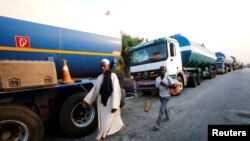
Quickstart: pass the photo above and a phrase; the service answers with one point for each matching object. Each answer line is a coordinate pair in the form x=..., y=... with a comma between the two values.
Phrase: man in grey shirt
x=163, y=81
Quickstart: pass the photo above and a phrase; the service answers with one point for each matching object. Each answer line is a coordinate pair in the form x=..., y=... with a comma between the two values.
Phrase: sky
x=222, y=25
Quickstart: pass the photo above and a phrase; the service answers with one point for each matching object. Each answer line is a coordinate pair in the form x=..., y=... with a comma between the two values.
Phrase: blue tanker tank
x=23, y=40
x=82, y=41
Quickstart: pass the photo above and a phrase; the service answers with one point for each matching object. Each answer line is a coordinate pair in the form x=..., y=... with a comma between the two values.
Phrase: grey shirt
x=163, y=90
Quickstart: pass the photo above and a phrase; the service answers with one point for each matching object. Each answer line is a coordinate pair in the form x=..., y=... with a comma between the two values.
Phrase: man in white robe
x=108, y=106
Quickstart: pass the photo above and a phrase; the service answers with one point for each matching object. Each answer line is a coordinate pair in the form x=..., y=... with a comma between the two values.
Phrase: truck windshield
x=220, y=60
x=219, y=65
x=149, y=54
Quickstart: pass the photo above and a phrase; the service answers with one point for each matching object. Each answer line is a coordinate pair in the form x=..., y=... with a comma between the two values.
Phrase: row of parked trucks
x=186, y=61
x=226, y=63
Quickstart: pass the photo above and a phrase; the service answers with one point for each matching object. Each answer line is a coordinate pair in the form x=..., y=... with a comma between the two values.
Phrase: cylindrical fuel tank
x=55, y=30
x=194, y=54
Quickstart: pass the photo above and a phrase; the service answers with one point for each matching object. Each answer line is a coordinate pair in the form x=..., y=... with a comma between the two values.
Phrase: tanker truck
x=236, y=63
x=224, y=63
x=35, y=36
x=186, y=61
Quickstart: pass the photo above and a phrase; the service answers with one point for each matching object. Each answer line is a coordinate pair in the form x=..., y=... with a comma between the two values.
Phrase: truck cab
x=224, y=63
x=146, y=59
x=220, y=66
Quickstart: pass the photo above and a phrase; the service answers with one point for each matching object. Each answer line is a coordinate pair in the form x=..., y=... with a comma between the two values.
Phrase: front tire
x=179, y=78
x=20, y=123
x=74, y=120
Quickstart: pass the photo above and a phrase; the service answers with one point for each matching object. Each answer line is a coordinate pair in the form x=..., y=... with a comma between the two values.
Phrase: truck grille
x=146, y=75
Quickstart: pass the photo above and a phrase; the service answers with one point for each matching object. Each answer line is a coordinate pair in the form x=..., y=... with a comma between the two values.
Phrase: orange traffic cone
x=66, y=74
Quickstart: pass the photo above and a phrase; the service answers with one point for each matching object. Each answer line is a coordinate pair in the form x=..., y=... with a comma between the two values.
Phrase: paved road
x=222, y=100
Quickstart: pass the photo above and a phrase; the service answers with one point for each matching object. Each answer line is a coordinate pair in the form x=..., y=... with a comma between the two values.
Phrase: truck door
x=172, y=62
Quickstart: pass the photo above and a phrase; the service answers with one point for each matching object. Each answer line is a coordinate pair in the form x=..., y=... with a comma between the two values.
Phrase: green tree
x=127, y=43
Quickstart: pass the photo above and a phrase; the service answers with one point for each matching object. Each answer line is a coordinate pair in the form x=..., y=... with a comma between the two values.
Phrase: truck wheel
x=194, y=80
x=74, y=120
x=211, y=76
x=182, y=83
x=19, y=123
x=214, y=74
x=198, y=79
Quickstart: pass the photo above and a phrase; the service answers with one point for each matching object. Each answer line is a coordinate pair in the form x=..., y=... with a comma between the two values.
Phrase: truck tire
x=215, y=74
x=19, y=123
x=211, y=75
x=179, y=78
x=198, y=79
x=193, y=80
x=74, y=120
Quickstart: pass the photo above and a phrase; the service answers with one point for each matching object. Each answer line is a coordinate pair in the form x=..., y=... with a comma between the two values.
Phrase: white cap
x=105, y=61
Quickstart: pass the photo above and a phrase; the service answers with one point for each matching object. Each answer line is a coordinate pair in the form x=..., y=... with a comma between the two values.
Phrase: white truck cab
x=146, y=59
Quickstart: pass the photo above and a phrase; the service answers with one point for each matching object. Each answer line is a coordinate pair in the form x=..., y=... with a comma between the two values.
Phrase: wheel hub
x=82, y=117
x=12, y=130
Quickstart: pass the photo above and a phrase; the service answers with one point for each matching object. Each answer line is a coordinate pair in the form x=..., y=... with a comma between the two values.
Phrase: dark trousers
x=163, y=110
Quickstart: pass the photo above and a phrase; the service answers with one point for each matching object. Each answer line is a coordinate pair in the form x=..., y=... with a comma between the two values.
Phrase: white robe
x=108, y=123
